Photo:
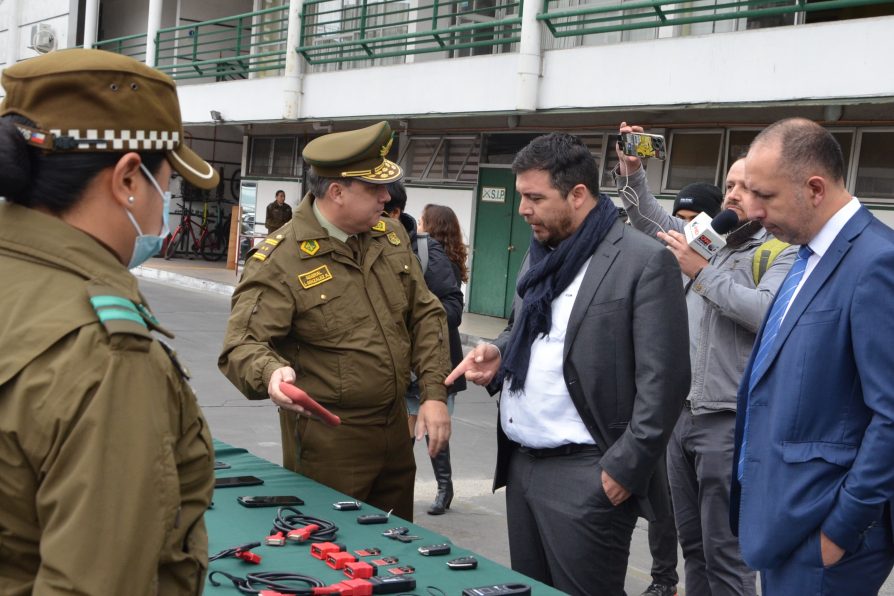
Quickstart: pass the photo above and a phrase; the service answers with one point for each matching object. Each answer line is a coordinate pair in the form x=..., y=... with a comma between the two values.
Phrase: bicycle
x=214, y=241
x=180, y=236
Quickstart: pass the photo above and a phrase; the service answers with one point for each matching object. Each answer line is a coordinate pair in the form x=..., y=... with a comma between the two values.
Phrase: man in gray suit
x=592, y=368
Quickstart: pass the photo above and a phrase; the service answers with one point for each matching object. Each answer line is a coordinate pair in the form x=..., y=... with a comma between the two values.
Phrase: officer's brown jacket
x=351, y=333
x=106, y=464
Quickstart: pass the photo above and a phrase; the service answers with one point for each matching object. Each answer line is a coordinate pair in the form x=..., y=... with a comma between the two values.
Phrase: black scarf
x=549, y=274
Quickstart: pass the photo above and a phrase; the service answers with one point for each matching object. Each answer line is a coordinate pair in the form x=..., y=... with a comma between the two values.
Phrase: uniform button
x=699, y=287
x=322, y=296
x=406, y=267
x=279, y=236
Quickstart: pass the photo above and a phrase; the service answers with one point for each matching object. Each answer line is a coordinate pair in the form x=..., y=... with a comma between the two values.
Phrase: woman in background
x=441, y=223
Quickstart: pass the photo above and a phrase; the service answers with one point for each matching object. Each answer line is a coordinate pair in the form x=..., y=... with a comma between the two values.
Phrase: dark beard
x=742, y=234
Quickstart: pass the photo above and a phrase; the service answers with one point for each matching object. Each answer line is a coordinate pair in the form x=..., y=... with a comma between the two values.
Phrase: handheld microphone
x=705, y=235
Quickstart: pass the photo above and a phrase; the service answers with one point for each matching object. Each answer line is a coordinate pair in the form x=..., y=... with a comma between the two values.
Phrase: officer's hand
x=690, y=261
x=831, y=552
x=434, y=421
x=627, y=164
x=480, y=365
x=286, y=374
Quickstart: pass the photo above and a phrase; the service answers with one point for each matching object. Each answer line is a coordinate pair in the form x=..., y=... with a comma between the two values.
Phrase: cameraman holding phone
x=726, y=305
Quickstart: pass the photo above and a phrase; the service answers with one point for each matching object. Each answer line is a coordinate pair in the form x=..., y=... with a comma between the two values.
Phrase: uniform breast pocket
x=394, y=279
x=323, y=311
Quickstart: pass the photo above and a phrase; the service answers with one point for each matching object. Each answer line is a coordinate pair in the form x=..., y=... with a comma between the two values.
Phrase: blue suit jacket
x=820, y=449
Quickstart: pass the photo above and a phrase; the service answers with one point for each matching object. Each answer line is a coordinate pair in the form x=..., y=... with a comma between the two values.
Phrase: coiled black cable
x=229, y=552
x=289, y=518
x=281, y=582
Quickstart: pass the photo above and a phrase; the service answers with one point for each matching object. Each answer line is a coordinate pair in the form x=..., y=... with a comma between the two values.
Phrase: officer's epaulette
x=117, y=313
x=265, y=248
x=388, y=229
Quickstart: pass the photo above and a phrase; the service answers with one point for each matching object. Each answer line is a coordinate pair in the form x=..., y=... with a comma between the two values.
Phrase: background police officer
x=336, y=304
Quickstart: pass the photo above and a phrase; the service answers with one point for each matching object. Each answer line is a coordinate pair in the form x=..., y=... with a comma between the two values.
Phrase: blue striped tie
x=771, y=330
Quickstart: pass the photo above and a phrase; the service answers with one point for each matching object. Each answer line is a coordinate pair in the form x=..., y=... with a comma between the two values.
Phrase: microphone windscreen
x=725, y=221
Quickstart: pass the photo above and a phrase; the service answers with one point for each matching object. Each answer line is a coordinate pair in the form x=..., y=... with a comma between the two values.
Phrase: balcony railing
x=130, y=45
x=334, y=31
x=337, y=34
x=566, y=18
x=227, y=48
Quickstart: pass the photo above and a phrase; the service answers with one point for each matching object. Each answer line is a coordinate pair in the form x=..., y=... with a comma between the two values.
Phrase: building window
x=274, y=156
x=845, y=138
x=694, y=157
x=446, y=159
x=875, y=174
x=737, y=146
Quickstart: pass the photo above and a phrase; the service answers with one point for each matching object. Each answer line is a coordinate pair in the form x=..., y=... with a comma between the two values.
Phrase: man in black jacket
x=441, y=280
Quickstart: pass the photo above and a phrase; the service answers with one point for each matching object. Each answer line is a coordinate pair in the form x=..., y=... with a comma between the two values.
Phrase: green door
x=501, y=241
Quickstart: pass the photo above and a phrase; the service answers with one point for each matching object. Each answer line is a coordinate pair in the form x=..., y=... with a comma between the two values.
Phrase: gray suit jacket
x=626, y=361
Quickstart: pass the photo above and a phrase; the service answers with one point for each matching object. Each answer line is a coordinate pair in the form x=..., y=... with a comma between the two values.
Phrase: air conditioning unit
x=43, y=38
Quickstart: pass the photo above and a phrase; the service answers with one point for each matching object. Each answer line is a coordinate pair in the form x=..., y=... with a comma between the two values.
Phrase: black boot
x=441, y=465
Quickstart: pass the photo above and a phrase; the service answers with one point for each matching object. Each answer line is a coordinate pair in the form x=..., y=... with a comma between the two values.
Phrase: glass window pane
x=739, y=141
x=693, y=158
x=283, y=156
x=845, y=139
x=260, y=157
x=875, y=172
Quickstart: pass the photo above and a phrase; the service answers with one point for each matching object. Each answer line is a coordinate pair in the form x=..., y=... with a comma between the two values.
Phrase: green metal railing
x=592, y=18
x=130, y=45
x=226, y=48
x=335, y=32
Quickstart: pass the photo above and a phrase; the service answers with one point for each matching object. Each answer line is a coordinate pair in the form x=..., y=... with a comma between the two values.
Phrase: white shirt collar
x=826, y=236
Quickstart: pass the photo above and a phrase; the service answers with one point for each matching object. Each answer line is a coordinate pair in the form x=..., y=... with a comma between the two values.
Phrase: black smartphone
x=237, y=481
x=221, y=465
x=267, y=501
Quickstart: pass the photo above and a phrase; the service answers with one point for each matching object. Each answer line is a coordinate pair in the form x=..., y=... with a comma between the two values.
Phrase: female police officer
x=105, y=459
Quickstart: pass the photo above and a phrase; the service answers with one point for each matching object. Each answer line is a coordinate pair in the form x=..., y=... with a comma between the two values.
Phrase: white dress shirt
x=823, y=240
x=542, y=415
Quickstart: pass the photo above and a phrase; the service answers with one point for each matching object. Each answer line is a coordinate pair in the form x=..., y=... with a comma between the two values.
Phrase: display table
x=230, y=524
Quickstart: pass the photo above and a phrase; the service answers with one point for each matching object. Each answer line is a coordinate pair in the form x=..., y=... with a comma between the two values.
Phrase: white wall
x=477, y=84
x=61, y=15
x=250, y=100
x=822, y=61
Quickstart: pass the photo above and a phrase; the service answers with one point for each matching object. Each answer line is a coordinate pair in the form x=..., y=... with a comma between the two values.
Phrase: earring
x=130, y=200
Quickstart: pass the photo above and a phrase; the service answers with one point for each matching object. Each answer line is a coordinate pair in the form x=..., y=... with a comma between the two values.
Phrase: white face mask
x=145, y=246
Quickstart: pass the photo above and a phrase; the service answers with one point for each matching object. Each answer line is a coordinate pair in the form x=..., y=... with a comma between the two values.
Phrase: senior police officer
x=336, y=304
x=106, y=465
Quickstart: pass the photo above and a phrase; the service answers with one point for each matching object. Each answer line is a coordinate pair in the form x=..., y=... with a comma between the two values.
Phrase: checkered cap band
x=123, y=140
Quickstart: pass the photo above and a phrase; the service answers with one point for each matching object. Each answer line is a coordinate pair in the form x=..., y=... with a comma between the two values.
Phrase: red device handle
x=310, y=404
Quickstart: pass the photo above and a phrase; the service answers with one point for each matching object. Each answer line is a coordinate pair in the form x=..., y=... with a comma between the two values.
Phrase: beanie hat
x=699, y=197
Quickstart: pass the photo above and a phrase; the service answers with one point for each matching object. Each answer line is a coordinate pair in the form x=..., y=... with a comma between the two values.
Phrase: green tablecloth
x=230, y=524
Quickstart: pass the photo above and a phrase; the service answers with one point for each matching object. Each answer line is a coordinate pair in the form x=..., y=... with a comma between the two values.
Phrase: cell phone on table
x=221, y=465
x=640, y=144
x=231, y=481
x=271, y=501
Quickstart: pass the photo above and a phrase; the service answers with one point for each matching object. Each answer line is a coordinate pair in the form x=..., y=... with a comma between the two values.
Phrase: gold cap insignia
x=310, y=247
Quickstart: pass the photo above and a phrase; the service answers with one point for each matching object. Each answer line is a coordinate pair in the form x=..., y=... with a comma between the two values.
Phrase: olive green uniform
x=106, y=465
x=277, y=216
x=352, y=330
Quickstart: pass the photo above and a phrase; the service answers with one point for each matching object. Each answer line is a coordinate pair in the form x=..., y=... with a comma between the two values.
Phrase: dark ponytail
x=51, y=181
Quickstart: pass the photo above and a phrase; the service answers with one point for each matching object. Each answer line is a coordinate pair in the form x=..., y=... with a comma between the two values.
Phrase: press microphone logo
x=705, y=236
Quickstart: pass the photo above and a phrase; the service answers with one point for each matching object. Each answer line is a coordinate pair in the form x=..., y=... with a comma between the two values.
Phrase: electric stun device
x=310, y=404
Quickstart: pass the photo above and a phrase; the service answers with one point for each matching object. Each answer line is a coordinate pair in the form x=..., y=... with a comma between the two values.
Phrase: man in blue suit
x=813, y=471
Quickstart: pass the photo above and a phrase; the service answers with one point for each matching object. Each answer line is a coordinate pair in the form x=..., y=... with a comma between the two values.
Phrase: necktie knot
x=804, y=252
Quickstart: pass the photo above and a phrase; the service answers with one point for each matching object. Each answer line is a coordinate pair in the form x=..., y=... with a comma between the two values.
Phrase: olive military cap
x=93, y=100
x=354, y=154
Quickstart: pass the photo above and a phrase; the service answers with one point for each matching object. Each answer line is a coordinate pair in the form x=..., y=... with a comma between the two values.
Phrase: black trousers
x=563, y=530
